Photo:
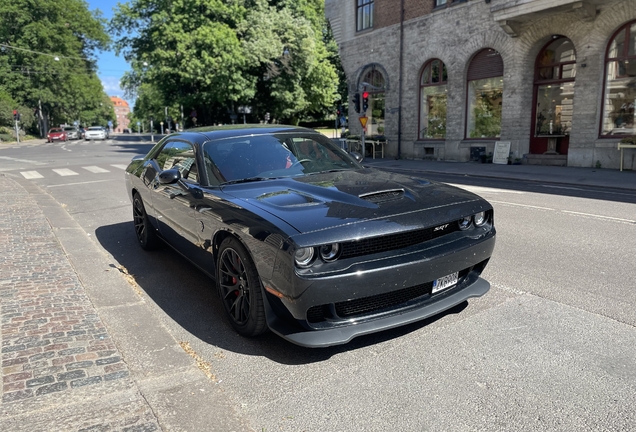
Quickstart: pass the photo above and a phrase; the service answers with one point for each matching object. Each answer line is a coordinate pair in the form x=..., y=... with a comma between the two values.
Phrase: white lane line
x=522, y=205
x=120, y=166
x=480, y=189
x=32, y=162
x=95, y=169
x=598, y=216
x=31, y=175
x=75, y=184
x=64, y=148
x=65, y=172
x=561, y=187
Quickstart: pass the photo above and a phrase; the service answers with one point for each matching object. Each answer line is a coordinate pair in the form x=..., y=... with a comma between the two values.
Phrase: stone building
x=449, y=78
x=122, y=109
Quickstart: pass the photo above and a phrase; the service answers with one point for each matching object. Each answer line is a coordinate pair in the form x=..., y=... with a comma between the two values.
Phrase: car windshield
x=95, y=128
x=69, y=128
x=273, y=156
x=56, y=130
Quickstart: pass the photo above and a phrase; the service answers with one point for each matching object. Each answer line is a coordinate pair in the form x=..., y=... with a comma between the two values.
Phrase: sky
x=110, y=67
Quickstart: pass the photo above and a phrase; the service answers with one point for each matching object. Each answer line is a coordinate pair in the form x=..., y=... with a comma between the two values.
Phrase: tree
x=212, y=56
x=47, y=57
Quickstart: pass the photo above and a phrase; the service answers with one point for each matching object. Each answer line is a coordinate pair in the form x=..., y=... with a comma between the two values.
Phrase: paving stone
x=40, y=381
x=79, y=365
x=79, y=373
x=14, y=396
x=106, y=361
x=51, y=388
x=86, y=381
x=116, y=375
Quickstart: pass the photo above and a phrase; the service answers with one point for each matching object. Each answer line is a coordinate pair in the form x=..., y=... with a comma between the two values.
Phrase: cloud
x=111, y=85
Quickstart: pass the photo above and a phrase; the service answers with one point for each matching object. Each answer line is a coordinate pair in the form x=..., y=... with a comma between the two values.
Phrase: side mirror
x=357, y=156
x=170, y=176
x=138, y=157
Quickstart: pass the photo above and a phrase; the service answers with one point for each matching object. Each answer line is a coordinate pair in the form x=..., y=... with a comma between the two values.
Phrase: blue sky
x=110, y=67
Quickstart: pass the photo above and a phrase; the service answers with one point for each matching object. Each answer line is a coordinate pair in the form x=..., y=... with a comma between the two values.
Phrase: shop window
x=620, y=83
x=372, y=81
x=364, y=15
x=485, y=95
x=554, y=82
x=433, y=100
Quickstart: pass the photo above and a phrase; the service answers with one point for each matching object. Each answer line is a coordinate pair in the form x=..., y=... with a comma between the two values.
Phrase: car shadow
x=189, y=297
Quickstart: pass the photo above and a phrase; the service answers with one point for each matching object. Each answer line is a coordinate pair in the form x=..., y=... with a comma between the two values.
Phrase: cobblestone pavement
x=56, y=352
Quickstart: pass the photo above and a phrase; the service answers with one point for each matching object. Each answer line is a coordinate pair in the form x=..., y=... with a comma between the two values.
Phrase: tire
x=240, y=290
x=144, y=231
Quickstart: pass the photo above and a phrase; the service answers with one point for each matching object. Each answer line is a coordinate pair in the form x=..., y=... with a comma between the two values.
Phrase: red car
x=56, y=134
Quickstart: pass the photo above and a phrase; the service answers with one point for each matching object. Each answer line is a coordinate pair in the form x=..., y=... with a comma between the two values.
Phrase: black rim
x=235, y=289
x=139, y=219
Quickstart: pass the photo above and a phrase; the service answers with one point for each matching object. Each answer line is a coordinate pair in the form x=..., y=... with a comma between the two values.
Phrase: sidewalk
x=571, y=176
x=81, y=350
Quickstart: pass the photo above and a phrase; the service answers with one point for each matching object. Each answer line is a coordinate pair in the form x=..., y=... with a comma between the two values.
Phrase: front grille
x=393, y=242
x=385, y=302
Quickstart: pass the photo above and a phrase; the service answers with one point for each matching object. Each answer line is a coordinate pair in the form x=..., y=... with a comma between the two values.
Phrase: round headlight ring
x=330, y=252
x=480, y=219
x=465, y=222
x=304, y=257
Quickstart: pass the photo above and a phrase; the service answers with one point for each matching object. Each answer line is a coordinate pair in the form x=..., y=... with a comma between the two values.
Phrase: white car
x=95, y=132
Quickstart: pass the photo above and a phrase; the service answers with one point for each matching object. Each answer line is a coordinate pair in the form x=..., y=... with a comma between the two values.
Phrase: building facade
x=122, y=109
x=447, y=79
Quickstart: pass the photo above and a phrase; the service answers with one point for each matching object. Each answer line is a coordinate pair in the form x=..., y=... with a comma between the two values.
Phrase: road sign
x=363, y=121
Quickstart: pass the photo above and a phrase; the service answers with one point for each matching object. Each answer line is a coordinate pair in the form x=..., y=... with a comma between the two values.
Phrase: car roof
x=209, y=133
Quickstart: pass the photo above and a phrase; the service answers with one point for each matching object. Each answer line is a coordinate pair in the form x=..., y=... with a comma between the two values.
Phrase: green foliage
x=213, y=55
x=487, y=112
x=38, y=31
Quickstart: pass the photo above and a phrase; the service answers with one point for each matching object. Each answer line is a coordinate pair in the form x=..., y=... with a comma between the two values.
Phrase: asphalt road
x=552, y=346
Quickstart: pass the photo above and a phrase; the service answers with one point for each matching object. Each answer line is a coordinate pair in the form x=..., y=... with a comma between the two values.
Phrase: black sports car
x=303, y=240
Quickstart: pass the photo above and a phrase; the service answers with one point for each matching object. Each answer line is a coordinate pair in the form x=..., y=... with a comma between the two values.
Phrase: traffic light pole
x=17, y=131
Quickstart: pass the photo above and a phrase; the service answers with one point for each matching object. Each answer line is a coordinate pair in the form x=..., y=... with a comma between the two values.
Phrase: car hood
x=322, y=201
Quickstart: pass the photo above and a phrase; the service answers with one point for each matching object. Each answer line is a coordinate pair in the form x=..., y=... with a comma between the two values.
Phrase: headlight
x=480, y=218
x=330, y=252
x=304, y=257
x=464, y=223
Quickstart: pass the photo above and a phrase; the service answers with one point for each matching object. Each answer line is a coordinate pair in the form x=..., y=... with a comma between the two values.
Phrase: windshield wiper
x=247, y=180
x=329, y=171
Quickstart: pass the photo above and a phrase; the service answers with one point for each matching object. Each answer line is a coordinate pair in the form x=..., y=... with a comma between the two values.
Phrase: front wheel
x=239, y=286
x=146, y=235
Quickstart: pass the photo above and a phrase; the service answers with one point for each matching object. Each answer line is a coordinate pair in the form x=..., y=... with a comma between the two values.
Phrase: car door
x=173, y=204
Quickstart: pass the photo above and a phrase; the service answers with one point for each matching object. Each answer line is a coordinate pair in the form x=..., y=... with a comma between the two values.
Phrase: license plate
x=445, y=282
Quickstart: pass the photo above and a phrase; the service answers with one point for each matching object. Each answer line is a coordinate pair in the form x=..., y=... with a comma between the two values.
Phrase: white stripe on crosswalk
x=95, y=169
x=65, y=172
x=31, y=175
x=120, y=166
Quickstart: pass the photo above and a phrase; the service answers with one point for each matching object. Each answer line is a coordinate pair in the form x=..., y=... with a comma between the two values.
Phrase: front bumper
x=370, y=290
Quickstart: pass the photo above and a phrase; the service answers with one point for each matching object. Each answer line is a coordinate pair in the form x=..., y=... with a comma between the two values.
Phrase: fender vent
x=381, y=196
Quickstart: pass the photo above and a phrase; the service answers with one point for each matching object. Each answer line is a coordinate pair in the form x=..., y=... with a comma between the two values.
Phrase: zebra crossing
x=66, y=172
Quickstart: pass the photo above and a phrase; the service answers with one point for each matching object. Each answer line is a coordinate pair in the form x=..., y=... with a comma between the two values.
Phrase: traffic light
x=365, y=101
x=15, y=114
x=356, y=102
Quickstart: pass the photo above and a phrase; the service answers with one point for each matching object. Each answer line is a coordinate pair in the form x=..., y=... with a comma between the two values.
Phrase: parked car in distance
x=56, y=134
x=95, y=132
x=72, y=132
x=303, y=240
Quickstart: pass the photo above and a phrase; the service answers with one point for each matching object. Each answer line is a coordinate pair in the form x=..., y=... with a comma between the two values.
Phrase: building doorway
x=555, y=72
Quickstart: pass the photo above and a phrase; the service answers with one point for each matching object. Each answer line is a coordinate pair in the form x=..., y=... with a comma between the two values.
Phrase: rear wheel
x=146, y=235
x=240, y=289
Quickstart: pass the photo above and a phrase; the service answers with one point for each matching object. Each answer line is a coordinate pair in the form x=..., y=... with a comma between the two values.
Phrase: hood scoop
x=383, y=196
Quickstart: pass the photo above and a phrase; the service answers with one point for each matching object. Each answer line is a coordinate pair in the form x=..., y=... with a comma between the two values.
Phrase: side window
x=179, y=155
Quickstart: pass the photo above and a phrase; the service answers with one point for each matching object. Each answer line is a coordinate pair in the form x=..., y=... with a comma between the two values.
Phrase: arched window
x=484, y=96
x=373, y=82
x=620, y=83
x=555, y=71
x=433, y=99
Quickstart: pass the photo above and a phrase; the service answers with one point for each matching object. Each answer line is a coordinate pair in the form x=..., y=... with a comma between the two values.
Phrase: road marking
x=598, y=216
x=120, y=166
x=562, y=187
x=65, y=172
x=32, y=162
x=480, y=189
x=95, y=169
x=75, y=184
x=31, y=175
x=522, y=205
x=64, y=147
